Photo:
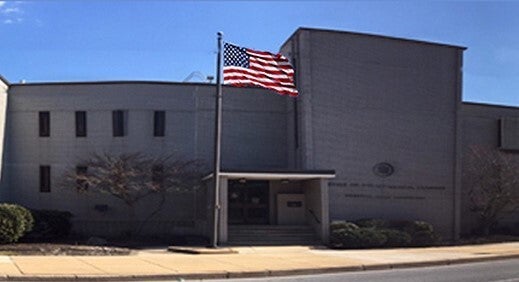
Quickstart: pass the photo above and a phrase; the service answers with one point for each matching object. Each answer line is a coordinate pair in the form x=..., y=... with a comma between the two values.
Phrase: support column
x=223, y=215
x=325, y=211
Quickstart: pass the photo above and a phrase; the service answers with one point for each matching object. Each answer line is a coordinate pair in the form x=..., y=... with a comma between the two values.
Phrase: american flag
x=244, y=67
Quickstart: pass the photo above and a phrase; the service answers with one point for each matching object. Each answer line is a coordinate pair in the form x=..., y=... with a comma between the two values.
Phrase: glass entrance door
x=248, y=202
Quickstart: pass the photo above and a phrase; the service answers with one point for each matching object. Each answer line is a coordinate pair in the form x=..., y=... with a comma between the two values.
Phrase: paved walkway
x=248, y=262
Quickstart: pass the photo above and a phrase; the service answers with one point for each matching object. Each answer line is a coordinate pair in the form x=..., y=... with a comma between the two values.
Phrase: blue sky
x=168, y=40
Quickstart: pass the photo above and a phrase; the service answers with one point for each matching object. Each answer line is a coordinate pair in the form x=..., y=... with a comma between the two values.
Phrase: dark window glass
x=159, y=123
x=118, y=123
x=81, y=183
x=44, y=124
x=157, y=175
x=45, y=179
x=81, y=124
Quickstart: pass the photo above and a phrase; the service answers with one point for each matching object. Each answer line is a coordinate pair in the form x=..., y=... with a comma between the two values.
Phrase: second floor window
x=159, y=123
x=119, y=122
x=44, y=124
x=81, y=124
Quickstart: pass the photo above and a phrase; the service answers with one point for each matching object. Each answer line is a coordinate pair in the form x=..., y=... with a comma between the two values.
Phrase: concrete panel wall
x=254, y=136
x=366, y=100
x=481, y=127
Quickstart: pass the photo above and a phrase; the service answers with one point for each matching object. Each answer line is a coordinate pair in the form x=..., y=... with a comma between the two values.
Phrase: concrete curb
x=251, y=274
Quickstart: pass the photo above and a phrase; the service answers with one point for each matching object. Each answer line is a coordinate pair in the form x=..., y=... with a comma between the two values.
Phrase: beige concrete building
x=379, y=130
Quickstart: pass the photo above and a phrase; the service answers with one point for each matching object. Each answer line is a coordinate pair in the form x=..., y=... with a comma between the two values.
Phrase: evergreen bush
x=357, y=238
x=15, y=221
x=341, y=224
x=375, y=233
x=371, y=223
x=396, y=238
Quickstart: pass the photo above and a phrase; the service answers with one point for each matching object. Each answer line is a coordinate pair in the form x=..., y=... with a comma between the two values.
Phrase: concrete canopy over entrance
x=275, y=198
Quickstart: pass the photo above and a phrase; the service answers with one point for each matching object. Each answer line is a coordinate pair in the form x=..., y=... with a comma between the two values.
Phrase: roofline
x=101, y=82
x=373, y=35
x=4, y=80
x=490, y=105
x=276, y=175
x=291, y=171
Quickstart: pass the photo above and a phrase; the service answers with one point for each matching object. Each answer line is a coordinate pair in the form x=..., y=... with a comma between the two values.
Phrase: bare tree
x=493, y=177
x=133, y=177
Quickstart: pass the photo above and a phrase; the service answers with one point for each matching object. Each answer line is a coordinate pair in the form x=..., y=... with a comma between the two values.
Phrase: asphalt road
x=491, y=271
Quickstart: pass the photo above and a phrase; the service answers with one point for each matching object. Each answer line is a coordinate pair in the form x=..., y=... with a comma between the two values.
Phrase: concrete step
x=271, y=235
x=274, y=243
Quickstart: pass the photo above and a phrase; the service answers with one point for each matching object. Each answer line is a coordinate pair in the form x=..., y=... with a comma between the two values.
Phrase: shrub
x=357, y=238
x=25, y=215
x=371, y=238
x=373, y=233
x=396, y=238
x=15, y=221
x=10, y=227
x=341, y=224
x=371, y=223
x=344, y=239
x=340, y=232
x=413, y=227
x=50, y=224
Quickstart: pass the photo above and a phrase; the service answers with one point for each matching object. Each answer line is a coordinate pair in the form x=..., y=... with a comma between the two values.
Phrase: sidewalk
x=248, y=262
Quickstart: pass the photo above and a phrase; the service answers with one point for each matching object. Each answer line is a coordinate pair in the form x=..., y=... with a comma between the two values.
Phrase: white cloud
x=10, y=12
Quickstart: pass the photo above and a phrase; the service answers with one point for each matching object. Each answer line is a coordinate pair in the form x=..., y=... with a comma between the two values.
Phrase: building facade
x=379, y=131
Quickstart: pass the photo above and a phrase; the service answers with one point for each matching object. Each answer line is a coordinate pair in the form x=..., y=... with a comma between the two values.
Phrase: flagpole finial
x=219, y=33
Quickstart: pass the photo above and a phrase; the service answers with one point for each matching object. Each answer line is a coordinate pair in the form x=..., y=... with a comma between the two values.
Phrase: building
x=379, y=130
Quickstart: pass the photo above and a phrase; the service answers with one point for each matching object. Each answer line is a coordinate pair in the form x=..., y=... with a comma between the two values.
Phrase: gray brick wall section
x=481, y=128
x=366, y=100
x=254, y=136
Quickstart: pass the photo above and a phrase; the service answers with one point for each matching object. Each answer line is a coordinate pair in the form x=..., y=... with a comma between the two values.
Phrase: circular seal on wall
x=383, y=169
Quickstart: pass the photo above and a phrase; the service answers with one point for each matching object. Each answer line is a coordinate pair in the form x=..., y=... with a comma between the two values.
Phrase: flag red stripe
x=267, y=84
x=268, y=63
x=244, y=72
x=261, y=80
x=272, y=72
x=255, y=61
x=265, y=54
x=262, y=74
x=289, y=92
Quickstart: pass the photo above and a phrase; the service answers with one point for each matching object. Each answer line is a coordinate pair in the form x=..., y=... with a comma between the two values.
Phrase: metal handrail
x=314, y=216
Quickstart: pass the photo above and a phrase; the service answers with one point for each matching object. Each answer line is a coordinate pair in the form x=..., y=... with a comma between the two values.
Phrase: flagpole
x=217, y=141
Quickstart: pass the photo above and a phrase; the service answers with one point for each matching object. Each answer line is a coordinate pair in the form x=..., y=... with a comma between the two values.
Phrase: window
x=81, y=183
x=44, y=124
x=118, y=121
x=45, y=179
x=509, y=134
x=81, y=124
x=159, y=123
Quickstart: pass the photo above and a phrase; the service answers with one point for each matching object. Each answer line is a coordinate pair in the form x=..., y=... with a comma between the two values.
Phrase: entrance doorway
x=248, y=202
